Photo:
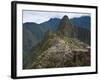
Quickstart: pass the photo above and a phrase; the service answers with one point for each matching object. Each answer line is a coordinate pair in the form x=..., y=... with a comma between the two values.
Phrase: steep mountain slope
x=70, y=30
x=83, y=22
x=83, y=35
x=62, y=47
x=33, y=33
x=66, y=28
x=52, y=24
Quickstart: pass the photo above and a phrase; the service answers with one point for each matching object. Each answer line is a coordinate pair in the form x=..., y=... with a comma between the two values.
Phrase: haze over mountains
x=70, y=32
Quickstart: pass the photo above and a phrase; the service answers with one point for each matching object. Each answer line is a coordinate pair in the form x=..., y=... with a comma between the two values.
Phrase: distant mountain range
x=83, y=22
x=34, y=34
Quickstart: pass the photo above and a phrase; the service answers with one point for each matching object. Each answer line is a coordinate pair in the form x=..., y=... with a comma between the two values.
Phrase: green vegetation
x=45, y=57
x=60, y=48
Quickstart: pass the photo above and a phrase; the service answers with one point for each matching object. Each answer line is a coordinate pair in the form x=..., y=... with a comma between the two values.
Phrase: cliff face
x=60, y=48
x=66, y=27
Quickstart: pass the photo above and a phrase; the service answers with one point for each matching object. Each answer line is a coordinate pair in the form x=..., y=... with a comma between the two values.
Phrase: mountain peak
x=66, y=27
x=65, y=17
x=66, y=20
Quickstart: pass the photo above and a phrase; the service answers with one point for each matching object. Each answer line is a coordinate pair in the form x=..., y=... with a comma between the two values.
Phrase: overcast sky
x=39, y=17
